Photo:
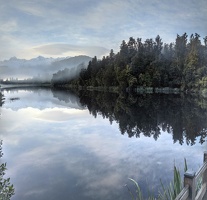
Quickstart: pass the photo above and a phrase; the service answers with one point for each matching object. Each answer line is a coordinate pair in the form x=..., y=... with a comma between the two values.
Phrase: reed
x=169, y=192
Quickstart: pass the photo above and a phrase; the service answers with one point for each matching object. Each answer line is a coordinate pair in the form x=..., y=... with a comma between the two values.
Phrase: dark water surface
x=61, y=145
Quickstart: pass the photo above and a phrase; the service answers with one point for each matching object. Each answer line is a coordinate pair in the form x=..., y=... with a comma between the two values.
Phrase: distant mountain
x=16, y=62
x=40, y=66
x=71, y=62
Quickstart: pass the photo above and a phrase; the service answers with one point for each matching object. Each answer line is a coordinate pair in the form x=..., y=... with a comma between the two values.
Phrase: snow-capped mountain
x=40, y=60
x=41, y=66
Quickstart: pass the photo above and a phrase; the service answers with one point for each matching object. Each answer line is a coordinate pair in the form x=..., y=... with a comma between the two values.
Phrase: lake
x=86, y=145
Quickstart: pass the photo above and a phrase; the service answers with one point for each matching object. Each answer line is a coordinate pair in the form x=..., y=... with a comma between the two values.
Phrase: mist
x=41, y=69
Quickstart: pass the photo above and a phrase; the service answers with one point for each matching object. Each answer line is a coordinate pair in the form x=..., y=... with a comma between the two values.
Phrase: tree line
x=182, y=64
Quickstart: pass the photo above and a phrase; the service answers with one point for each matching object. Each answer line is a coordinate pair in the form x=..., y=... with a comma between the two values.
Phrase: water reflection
x=1, y=99
x=40, y=98
x=55, y=149
x=67, y=97
x=6, y=188
x=182, y=116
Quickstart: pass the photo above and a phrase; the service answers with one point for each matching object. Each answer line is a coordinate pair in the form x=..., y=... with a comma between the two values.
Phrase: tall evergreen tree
x=193, y=61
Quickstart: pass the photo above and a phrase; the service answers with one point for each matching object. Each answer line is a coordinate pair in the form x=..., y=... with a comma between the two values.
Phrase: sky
x=60, y=28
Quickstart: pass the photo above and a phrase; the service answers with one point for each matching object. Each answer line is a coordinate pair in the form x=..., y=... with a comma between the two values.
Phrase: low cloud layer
x=67, y=49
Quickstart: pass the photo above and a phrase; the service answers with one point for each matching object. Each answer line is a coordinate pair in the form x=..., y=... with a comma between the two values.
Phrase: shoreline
x=139, y=90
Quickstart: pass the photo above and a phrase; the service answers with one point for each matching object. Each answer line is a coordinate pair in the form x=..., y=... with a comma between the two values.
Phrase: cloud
x=83, y=158
x=62, y=49
x=8, y=26
x=59, y=115
x=31, y=8
x=96, y=23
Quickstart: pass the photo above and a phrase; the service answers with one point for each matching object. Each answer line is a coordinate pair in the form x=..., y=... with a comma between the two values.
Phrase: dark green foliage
x=66, y=75
x=149, y=64
x=6, y=189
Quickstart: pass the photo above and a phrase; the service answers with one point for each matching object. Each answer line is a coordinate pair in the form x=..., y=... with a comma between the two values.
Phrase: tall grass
x=169, y=192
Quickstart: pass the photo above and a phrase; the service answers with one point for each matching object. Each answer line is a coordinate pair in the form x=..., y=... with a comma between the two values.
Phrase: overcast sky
x=58, y=28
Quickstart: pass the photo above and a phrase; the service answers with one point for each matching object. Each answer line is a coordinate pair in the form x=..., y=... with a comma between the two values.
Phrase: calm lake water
x=61, y=145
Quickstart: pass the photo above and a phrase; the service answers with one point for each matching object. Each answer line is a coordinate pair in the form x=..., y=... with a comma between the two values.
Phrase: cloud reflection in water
x=61, y=153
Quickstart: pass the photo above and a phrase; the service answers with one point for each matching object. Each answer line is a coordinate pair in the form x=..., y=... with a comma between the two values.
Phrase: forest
x=182, y=64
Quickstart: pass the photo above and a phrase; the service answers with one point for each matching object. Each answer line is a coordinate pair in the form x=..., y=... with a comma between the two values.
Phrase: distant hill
x=40, y=66
x=16, y=62
x=70, y=62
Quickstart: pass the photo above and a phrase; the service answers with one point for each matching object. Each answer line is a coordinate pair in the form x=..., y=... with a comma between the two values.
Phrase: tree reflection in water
x=6, y=189
x=182, y=116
